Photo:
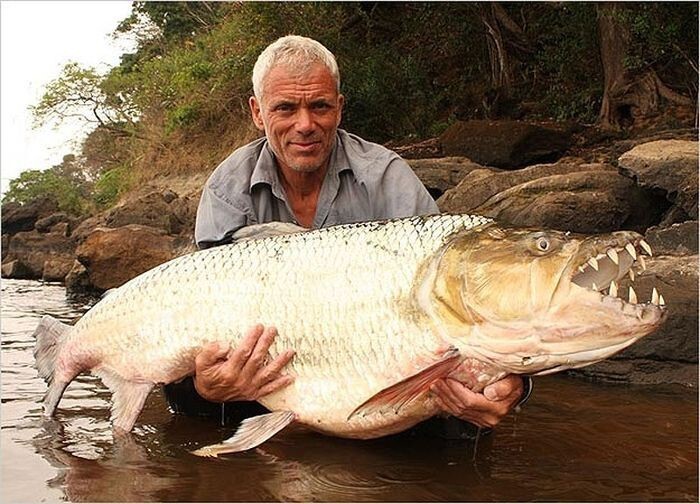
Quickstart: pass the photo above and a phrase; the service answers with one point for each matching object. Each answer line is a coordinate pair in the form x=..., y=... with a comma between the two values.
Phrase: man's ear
x=341, y=104
x=256, y=113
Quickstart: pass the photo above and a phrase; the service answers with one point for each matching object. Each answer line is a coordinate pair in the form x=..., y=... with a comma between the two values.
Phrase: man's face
x=300, y=113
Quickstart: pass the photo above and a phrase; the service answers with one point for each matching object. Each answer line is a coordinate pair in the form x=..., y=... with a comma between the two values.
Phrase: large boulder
x=570, y=195
x=441, y=174
x=17, y=218
x=505, y=144
x=157, y=209
x=676, y=239
x=56, y=268
x=34, y=249
x=114, y=256
x=45, y=224
x=669, y=166
x=16, y=269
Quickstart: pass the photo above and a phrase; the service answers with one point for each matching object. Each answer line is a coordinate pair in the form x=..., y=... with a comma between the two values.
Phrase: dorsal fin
x=257, y=231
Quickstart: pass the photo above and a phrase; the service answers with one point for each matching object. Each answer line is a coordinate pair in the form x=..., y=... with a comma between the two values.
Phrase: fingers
x=508, y=388
x=240, y=355
x=211, y=354
x=275, y=384
x=256, y=360
x=456, y=399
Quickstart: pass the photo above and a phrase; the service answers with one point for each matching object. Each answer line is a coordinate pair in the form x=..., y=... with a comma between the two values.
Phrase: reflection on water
x=574, y=441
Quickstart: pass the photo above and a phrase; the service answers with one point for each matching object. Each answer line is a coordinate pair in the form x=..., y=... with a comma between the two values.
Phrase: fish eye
x=543, y=244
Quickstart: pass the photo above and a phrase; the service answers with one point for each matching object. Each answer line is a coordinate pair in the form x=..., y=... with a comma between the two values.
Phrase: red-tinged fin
x=128, y=398
x=48, y=334
x=251, y=433
x=409, y=389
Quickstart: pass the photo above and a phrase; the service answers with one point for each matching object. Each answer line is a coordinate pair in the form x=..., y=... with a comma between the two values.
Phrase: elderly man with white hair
x=308, y=172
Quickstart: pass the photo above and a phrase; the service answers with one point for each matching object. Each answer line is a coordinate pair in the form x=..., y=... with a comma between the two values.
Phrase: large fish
x=376, y=313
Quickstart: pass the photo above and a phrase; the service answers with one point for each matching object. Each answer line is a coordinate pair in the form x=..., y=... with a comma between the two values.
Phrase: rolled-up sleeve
x=217, y=219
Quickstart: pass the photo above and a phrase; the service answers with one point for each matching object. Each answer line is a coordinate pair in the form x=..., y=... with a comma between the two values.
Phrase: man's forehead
x=283, y=78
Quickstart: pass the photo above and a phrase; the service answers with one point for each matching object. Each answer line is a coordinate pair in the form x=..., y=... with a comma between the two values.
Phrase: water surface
x=573, y=441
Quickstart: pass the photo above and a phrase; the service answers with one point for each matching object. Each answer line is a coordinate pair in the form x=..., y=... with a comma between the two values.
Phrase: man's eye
x=284, y=108
x=321, y=106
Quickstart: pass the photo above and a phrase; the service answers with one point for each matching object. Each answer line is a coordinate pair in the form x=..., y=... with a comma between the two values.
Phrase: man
x=308, y=172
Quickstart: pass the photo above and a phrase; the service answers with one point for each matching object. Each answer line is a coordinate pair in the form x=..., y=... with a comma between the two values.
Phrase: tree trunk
x=627, y=97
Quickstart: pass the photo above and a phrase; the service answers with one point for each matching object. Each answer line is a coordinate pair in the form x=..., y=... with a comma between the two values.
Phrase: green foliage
x=33, y=184
x=407, y=70
x=110, y=185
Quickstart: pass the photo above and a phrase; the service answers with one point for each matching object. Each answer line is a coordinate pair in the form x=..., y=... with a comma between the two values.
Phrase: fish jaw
x=569, y=320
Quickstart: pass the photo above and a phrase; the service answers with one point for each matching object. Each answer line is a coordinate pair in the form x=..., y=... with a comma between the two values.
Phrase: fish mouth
x=601, y=265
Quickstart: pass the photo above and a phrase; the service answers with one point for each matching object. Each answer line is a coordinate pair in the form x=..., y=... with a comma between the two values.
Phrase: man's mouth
x=306, y=145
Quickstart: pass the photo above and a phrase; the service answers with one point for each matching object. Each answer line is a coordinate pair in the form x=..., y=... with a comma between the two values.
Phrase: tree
x=79, y=93
x=630, y=93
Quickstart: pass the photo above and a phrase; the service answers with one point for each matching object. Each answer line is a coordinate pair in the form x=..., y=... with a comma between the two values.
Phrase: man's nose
x=305, y=123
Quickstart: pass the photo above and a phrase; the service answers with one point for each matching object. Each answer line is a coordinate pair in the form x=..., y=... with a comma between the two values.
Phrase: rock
x=480, y=185
x=153, y=210
x=114, y=256
x=56, y=268
x=77, y=280
x=15, y=269
x=670, y=166
x=82, y=230
x=677, y=239
x=33, y=249
x=669, y=353
x=505, y=144
x=62, y=228
x=570, y=196
x=430, y=148
x=440, y=174
x=4, y=246
x=45, y=224
x=17, y=218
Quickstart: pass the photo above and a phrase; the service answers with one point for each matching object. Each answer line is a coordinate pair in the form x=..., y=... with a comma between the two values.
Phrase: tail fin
x=49, y=332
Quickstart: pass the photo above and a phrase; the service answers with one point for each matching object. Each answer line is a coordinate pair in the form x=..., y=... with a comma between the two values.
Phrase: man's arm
x=217, y=219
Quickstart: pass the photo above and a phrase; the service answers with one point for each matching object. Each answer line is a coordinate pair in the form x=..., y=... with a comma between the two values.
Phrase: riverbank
x=561, y=176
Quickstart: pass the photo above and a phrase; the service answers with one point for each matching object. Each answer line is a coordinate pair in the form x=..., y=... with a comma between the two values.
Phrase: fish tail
x=48, y=335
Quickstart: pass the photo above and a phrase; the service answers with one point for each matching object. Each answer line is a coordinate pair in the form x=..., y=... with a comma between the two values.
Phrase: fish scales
x=332, y=293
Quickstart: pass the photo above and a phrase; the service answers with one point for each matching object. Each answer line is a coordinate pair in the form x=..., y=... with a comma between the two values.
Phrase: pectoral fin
x=408, y=389
x=251, y=433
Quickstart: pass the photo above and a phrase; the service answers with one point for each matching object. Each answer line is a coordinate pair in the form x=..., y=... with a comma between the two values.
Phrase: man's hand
x=241, y=374
x=484, y=410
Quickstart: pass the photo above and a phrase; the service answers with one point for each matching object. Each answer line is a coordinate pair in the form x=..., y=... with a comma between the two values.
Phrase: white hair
x=295, y=52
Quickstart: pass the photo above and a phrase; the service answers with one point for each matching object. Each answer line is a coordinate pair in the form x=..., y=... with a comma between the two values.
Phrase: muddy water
x=574, y=441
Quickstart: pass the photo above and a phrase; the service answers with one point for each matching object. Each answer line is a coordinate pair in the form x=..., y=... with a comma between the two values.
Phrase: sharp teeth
x=613, y=289
x=654, y=296
x=581, y=269
x=612, y=254
x=662, y=301
x=631, y=251
x=646, y=247
x=631, y=274
x=594, y=263
x=643, y=263
x=594, y=287
x=632, y=296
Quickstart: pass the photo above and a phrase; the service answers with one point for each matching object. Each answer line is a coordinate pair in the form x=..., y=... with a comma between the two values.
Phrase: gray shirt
x=365, y=181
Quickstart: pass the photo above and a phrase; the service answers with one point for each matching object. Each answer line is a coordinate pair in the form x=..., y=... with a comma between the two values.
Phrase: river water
x=573, y=441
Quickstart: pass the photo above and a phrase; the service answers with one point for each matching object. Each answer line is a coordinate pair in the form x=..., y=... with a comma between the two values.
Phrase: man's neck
x=303, y=190
x=299, y=184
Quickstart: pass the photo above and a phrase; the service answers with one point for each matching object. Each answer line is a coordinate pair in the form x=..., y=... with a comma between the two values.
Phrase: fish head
x=539, y=301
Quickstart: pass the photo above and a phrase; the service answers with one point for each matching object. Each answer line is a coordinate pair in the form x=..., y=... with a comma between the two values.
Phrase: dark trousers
x=183, y=399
